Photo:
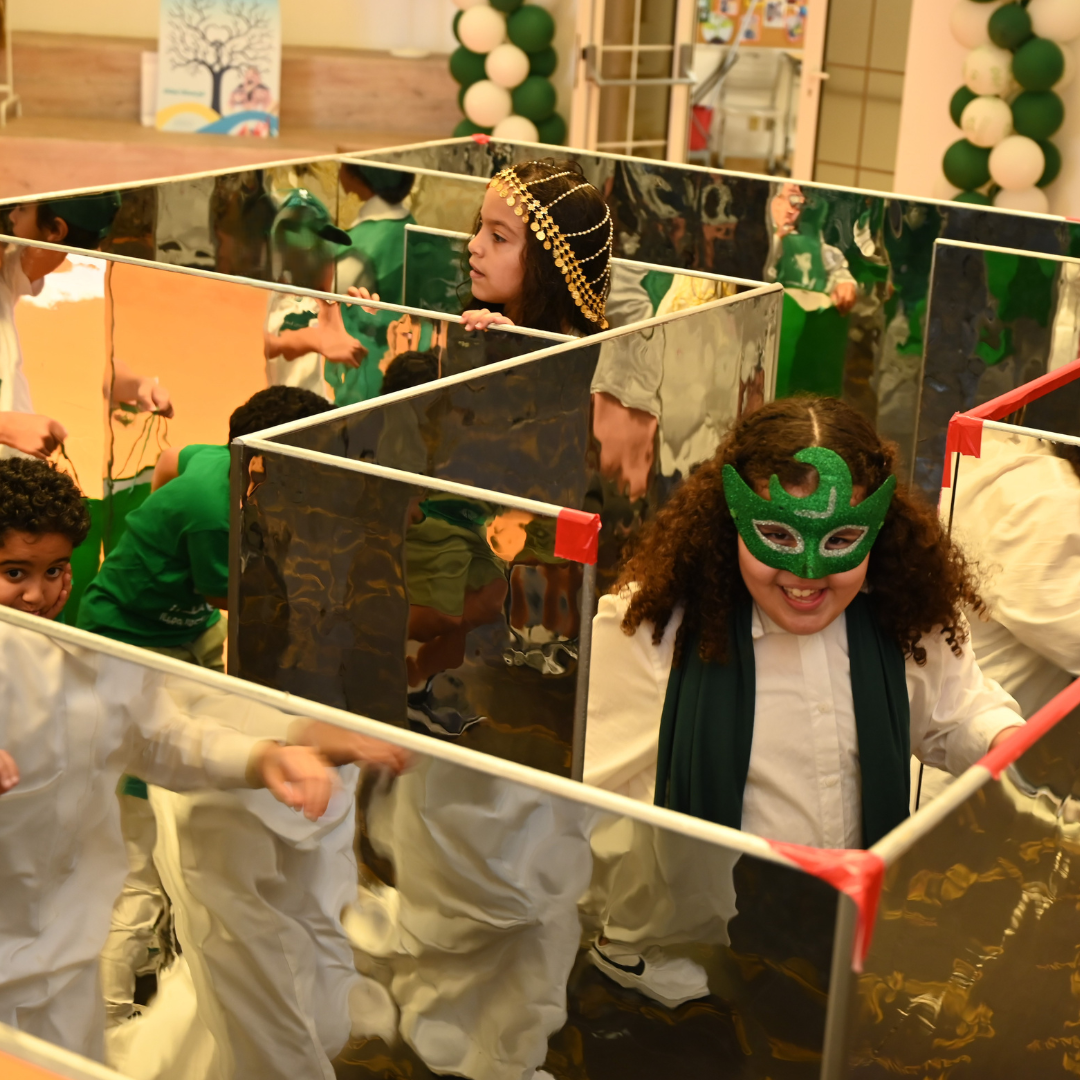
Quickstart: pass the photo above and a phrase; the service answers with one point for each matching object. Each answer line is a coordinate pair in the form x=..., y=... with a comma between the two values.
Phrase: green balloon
x=1009, y=26
x=1038, y=64
x=959, y=103
x=1052, y=156
x=467, y=127
x=976, y=197
x=967, y=166
x=506, y=6
x=552, y=130
x=457, y=19
x=534, y=98
x=467, y=67
x=1037, y=113
x=543, y=63
x=531, y=28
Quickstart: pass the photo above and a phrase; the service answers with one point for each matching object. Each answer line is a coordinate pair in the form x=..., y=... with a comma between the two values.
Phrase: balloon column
x=503, y=66
x=1008, y=106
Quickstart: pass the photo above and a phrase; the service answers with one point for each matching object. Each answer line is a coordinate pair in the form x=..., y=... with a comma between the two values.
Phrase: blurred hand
x=153, y=397
x=844, y=295
x=343, y=747
x=9, y=772
x=295, y=776
x=31, y=433
x=364, y=294
x=627, y=439
x=481, y=319
x=1001, y=736
x=335, y=342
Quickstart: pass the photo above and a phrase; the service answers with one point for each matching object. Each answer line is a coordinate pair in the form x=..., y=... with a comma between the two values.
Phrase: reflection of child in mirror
x=540, y=255
x=78, y=221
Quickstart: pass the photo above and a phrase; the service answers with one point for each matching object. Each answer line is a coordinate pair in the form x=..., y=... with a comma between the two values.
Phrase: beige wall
x=935, y=62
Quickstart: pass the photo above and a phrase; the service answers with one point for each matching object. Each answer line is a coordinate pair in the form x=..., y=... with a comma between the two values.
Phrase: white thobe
x=74, y=720
x=803, y=784
x=1017, y=512
x=14, y=387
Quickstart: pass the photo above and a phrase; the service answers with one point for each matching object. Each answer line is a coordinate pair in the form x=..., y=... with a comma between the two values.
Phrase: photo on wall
x=219, y=68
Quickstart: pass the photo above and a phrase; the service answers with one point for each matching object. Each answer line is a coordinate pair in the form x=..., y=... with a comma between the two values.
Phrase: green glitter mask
x=812, y=520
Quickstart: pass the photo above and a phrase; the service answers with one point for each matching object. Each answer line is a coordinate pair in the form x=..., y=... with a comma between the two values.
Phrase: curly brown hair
x=919, y=581
x=37, y=498
x=546, y=300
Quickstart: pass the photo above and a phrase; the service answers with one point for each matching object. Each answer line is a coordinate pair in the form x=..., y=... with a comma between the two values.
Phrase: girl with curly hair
x=724, y=681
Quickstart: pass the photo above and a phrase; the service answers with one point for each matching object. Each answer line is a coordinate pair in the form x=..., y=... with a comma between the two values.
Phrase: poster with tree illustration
x=219, y=66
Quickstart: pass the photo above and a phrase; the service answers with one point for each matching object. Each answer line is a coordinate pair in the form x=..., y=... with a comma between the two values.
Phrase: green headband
x=811, y=521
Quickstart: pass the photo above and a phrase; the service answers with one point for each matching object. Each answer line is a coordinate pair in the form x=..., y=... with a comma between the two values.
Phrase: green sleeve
x=208, y=555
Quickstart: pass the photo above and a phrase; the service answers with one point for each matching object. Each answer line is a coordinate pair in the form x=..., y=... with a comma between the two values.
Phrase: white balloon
x=464, y=5
x=1017, y=163
x=507, y=65
x=486, y=104
x=516, y=129
x=943, y=189
x=968, y=20
x=986, y=121
x=987, y=69
x=1032, y=199
x=1058, y=20
x=481, y=28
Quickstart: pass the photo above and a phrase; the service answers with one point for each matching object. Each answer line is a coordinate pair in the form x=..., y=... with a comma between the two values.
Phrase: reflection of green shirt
x=152, y=588
x=379, y=247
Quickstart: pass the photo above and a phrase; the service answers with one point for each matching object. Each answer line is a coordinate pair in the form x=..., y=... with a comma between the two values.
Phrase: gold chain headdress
x=588, y=295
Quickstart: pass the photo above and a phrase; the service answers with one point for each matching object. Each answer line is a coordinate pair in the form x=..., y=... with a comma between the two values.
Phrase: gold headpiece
x=588, y=295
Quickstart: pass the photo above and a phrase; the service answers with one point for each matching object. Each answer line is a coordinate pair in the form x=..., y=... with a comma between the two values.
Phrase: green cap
x=94, y=213
x=812, y=521
x=302, y=213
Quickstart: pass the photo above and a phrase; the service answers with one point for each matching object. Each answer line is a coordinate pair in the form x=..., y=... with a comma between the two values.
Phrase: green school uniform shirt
x=152, y=588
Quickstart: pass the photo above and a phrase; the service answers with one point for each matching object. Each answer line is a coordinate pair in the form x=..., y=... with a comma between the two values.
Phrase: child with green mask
x=786, y=634
x=736, y=594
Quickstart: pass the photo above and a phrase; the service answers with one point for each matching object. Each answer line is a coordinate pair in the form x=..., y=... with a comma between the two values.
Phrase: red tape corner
x=858, y=874
x=481, y=138
x=968, y=425
x=577, y=536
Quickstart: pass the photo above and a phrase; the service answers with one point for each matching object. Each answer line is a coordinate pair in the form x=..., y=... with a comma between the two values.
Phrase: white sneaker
x=671, y=980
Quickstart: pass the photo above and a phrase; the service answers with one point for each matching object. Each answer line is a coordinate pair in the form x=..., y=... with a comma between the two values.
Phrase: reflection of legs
x=653, y=888
x=256, y=915
x=792, y=322
x=488, y=874
x=139, y=913
x=818, y=364
x=443, y=636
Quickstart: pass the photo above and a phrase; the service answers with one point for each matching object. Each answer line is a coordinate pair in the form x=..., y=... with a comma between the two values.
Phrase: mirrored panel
x=468, y=917
x=607, y=425
x=855, y=265
x=415, y=603
x=997, y=319
x=136, y=360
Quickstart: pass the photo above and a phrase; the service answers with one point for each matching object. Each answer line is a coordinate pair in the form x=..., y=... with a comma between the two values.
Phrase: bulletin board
x=776, y=24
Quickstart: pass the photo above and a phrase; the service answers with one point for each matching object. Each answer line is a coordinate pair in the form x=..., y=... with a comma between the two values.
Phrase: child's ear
x=57, y=232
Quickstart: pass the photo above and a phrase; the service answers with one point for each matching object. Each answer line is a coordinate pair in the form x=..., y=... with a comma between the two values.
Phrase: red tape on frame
x=858, y=874
x=969, y=424
x=482, y=139
x=1053, y=712
x=577, y=536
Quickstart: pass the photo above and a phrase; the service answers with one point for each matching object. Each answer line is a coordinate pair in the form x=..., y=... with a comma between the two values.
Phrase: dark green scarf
x=708, y=725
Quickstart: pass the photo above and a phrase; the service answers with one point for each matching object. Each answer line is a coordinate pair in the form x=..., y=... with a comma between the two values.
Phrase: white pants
x=257, y=913
x=489, y=874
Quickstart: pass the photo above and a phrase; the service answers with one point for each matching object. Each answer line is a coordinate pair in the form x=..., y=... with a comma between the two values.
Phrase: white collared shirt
x=14, y=388
x=803, y=785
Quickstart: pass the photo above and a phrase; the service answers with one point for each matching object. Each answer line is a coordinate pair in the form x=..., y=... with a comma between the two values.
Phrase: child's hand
x=9, y=772
x=62, y=599
x=152, y=397
x=481, y=319
x=364, y=294
x=343, y=747
x=335, y=343
x=31, y=433
x=295, y=776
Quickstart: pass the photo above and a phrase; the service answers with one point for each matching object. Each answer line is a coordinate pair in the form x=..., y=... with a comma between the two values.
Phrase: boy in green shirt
x=165, y=583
